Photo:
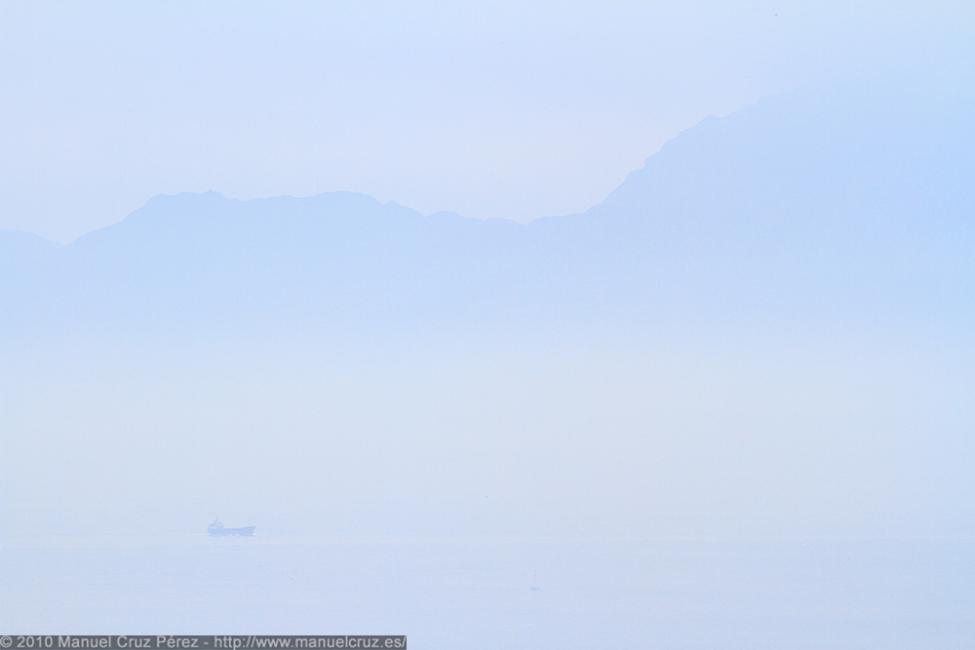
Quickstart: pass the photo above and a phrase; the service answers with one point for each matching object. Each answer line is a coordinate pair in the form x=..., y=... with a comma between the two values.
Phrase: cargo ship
x=217, y=529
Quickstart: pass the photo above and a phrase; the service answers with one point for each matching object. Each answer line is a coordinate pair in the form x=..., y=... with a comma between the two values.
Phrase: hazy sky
x=507, y=109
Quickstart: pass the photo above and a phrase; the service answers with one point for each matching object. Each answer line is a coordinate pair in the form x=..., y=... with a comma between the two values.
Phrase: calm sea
x=532, y=596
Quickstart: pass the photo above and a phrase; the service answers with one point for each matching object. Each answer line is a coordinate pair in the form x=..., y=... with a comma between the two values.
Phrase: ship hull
x=243, y=531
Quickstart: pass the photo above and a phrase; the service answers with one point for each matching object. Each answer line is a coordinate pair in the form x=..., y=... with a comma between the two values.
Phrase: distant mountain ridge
x=847, y=203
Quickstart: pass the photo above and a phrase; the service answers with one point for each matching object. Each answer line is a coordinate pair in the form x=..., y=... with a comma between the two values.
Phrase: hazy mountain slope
x=854, y=200
x=20, y=250
x=26, y=261
x=851, y=202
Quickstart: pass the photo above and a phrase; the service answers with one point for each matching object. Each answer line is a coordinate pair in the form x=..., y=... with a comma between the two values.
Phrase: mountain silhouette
x=854, y=203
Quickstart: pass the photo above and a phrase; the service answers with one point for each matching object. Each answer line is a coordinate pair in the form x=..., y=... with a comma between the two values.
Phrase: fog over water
x=478, y=595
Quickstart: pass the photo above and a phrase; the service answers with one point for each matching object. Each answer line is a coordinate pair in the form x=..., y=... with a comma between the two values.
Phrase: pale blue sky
x=488, y=109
